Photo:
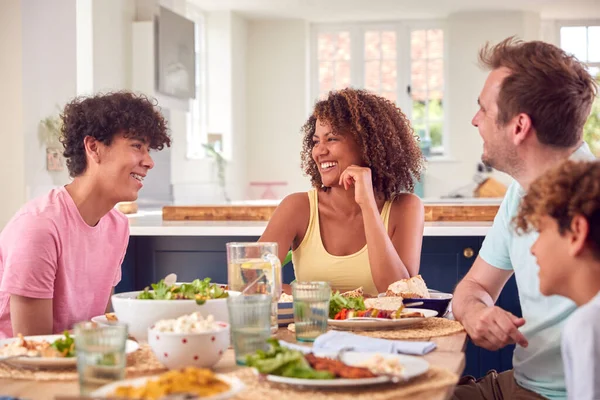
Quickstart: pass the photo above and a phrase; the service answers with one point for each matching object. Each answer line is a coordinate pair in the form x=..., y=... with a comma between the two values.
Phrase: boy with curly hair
x=563, y=205
x=61, y=254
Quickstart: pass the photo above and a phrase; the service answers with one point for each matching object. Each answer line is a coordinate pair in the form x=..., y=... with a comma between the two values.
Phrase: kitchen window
x=583, y=41
x=400, y=61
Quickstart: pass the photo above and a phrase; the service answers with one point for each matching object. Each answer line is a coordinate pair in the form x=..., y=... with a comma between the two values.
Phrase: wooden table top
x=449, y=354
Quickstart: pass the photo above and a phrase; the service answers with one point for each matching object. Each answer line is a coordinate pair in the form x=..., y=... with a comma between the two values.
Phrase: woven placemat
x=423, y=387
x=141, y=362
x=428, y=328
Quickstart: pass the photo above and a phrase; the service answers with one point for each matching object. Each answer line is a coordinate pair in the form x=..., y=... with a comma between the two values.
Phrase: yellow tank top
x=313, y=263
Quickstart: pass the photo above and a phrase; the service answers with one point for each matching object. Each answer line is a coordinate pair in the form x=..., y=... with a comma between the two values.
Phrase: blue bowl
x=438, y=302
x=285, y=313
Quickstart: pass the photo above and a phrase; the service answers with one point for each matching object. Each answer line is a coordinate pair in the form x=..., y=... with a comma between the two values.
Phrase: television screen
x=176, y=56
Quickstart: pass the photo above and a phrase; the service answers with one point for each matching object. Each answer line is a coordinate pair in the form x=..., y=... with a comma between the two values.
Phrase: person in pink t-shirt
x=61, y=254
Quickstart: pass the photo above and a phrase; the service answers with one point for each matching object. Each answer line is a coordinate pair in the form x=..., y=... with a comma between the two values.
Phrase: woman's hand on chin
x=360, y=178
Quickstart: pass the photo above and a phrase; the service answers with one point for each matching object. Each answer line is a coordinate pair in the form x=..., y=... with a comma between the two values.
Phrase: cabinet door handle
x=468, y=252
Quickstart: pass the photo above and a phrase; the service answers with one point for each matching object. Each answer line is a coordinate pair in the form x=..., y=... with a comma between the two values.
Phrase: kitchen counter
x=151, y=223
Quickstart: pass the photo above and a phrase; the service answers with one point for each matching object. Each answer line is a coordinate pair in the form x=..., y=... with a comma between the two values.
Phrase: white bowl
x=141, y=314
x=178, y=350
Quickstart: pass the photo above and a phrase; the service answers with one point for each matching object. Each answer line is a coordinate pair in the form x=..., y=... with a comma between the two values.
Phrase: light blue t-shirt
x=539, y=366
x=581, y=352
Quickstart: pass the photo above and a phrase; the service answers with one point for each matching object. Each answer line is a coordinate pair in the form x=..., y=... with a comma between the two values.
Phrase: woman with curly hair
x=61, y=254
x=359, y=226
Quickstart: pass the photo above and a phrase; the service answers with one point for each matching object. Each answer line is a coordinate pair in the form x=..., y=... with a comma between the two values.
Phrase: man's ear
x=92, y=148
x=580, y=229
x=522, y=128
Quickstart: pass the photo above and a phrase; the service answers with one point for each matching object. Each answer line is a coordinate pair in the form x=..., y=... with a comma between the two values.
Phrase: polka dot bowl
x=178, y=350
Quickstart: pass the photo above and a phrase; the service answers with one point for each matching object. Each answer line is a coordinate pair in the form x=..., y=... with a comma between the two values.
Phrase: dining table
x=449, y=354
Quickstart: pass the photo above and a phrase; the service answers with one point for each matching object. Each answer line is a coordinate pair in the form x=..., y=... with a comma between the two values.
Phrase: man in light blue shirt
x=533, y=106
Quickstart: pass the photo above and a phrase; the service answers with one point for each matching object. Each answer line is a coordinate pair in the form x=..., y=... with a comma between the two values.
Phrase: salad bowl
x=141, y=309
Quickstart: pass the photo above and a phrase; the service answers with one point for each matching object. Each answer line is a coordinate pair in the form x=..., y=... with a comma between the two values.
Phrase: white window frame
x=197, y=132
x=357, y=63
x=577, y=23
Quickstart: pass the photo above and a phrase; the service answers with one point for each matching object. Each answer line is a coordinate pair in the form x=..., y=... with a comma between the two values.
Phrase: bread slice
x=385, y=303
x=354, y=293
x=412, y=288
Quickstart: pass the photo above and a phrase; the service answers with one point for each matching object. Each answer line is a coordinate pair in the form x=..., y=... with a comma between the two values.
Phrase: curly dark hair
x=572, y=188
x=388, y=143
x=105, y=115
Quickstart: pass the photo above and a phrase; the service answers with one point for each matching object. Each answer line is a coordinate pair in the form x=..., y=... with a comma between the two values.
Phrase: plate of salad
x=350, y=312
x=325, y=369
x=45, y=351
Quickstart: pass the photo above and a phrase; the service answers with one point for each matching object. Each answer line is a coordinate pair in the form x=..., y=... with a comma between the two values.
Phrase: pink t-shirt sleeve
x=31, y=252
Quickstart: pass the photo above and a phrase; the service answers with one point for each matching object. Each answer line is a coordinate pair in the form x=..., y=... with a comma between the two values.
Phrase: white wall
x=112, y=26
x=276, y=101
x=49, y=80
x=237, y=170
x=12, y=162
x=467, y=32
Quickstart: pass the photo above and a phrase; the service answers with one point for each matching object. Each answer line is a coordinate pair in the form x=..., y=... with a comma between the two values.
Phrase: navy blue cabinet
x=444, y=261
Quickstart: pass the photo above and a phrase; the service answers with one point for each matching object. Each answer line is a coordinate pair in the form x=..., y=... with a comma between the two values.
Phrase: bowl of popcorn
x=190, y=340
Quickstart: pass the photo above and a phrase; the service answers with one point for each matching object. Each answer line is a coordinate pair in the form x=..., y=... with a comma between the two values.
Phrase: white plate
x=380, y=323
x=235, y=384
x=413, y=367
x=101, y=320
x=53, y=362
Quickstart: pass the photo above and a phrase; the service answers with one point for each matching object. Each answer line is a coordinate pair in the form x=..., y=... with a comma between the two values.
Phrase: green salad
x=199, y=290
x=282, y=361
x=337, y=302
x=65, y=345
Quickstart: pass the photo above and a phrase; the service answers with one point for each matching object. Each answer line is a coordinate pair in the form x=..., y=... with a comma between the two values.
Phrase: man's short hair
x=553, y=88
x=105, y=115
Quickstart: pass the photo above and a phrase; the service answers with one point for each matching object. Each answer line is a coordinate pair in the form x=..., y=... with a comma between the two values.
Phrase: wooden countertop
x=433, y=212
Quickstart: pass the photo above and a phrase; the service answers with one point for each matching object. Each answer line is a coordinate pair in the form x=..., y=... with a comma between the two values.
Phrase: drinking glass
x=101, y=357
x=254, y=268
x=250, y=324
x=311, y=309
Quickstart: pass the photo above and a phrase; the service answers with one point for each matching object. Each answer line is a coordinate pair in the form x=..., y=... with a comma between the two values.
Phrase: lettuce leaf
x=282, y=361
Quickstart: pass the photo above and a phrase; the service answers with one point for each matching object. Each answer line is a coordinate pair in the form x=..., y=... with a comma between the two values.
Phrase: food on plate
x=385, y=303
x=111, y=317
x=411, y=288
x=286, y=298
x=199, y=290
x=61, y=347
x=380, y=365
x=191, y=323
x=337, y=302
x=194, y=381
x=356, y=293
x=377, y=313
x=338, y=368
x=281, y=361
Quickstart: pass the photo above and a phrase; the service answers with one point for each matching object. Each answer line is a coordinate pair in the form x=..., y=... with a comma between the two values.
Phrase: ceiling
x=373, y=10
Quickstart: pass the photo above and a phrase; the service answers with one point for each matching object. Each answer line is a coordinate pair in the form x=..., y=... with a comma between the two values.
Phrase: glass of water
x=250, y=323
x=254, y=268
x=311, y=309
x=101, y=357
